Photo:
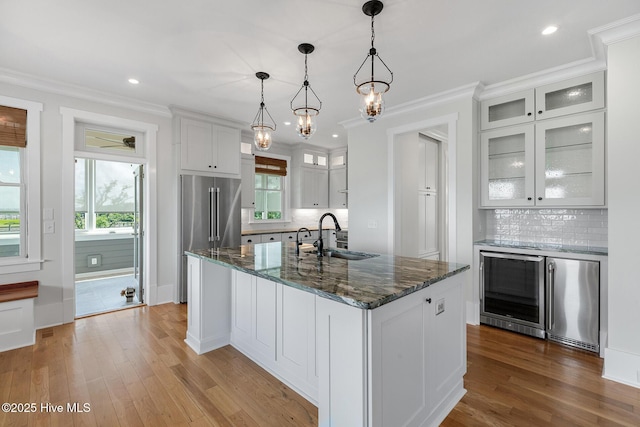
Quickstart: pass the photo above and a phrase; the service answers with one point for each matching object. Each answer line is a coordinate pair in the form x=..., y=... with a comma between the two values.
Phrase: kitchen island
x=371, y=340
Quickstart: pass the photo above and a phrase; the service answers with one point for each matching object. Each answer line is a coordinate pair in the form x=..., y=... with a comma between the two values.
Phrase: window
x=20, y=213
x=12, y=212
x=104, y=197
x=270, y=177
x=268, y=197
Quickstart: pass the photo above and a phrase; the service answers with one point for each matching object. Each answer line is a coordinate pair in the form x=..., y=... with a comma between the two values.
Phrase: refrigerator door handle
x=550, y=294
x=217, y=235
x=214, y=214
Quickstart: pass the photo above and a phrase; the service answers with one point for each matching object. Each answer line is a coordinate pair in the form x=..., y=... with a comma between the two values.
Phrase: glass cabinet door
x=570, y=161
x=507, y=167
x=570, y=96
x=507, y=110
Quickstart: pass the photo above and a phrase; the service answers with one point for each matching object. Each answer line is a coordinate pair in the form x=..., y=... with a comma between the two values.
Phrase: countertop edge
x=544, y=247
x=334, y=297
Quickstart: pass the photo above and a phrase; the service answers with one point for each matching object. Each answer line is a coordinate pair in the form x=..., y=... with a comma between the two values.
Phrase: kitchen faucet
x=319, y=243
x=298, y=242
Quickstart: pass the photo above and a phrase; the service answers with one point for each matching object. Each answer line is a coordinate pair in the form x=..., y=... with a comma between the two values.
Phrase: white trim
x=621, y=367
x=69, y=118
x=13, y=77
x=471, y=90
x=602, y=37
x=31, y=175
x=450, y=221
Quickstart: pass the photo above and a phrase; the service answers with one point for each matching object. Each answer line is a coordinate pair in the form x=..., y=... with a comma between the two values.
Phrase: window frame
x=286, y=204
x=30, y=258
x=266, y=189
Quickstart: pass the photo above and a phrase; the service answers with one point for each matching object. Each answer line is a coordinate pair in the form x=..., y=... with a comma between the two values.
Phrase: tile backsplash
x=299, y=218
x=567, y=227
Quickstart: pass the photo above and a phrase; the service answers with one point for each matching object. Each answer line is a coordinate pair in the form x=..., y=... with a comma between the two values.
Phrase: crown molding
x=471, y=90
x=55, y=87
x=602, y=37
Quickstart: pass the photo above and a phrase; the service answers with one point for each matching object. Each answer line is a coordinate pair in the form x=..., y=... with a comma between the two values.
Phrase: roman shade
x=13, y=127
x=270, y=166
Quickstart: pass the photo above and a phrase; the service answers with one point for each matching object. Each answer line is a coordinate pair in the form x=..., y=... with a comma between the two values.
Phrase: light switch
x=49, y=227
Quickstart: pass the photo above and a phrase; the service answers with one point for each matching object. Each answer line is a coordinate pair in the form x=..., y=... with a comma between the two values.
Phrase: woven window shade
x=13, y=127
x=271, y=166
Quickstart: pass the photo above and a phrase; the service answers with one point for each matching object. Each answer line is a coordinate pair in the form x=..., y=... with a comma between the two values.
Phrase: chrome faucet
x=318, y=242
x=298, y=242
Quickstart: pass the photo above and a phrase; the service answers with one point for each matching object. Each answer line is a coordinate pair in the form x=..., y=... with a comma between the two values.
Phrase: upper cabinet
x=558, y=162
x=208, y=147
x=543, y=148
x=338, y=189
x=313, y=159
x=580, y=94
x=310, y=178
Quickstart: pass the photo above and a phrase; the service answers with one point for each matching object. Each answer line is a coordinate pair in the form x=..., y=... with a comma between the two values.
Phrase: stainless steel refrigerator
x=573, y=302
x=210, y=217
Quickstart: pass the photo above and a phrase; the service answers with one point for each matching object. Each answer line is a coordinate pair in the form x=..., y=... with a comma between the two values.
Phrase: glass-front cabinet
x=507, y=169
x=557, y=162
x=570, y=161
x=576, y=95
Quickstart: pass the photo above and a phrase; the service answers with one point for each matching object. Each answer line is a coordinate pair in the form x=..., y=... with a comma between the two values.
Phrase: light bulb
x=306, y=126
x=262, y=139
x=372, y=105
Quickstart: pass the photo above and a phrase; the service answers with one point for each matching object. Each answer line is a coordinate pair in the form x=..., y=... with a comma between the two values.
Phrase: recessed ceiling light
x=549, y=30
x=335, y=135
x=134, y=81
x=287, y=123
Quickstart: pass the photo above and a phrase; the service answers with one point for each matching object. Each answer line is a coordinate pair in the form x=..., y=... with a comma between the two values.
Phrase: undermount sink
x=351, y=256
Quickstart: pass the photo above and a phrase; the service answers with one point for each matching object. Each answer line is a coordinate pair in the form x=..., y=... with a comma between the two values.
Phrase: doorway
x=108, y=235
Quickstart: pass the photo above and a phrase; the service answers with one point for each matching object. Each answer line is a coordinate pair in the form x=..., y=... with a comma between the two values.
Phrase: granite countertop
x=366, y=283
x=281, y=230
x=545, y=247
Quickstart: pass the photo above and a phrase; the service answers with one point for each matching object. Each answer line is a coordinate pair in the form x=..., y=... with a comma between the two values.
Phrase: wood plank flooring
x=132, y=368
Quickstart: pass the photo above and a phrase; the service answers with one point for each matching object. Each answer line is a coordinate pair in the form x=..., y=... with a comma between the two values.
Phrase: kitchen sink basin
x=351, y=256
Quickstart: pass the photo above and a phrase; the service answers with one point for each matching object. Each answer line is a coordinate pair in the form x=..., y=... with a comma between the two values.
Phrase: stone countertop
x=545, y=247
x=281, y=230
x=366, y=283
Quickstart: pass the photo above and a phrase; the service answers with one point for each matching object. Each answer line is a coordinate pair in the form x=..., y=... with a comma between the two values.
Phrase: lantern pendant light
x=303, y=108
x=372, y=87
x=262, y=129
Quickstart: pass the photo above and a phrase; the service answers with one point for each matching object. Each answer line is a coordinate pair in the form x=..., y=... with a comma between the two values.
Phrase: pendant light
x=372, y=88
x=302, y=107
x=261, y=129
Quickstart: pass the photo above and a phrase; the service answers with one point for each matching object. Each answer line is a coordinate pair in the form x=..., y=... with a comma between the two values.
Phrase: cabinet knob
x=528, y=198
x=428, y=300
x=209, y=165
x=540, y=112
x=539, y=198
x=272, y=238
x=249, y=240
x=528, y=114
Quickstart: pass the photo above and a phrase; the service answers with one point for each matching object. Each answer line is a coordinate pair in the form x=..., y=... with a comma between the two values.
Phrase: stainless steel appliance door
x=512, y=292
x=226, y=218
x=573, y=302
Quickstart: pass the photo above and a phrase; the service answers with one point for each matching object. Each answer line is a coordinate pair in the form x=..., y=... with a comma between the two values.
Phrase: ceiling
x=203, y=55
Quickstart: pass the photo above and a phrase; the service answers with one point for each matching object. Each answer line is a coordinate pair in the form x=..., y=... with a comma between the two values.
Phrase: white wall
x=622, y=354
x=49, y=304
x=369, y=206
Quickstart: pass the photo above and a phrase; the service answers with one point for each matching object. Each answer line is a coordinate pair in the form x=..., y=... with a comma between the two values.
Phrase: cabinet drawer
x=249, y=239
x=267, y=238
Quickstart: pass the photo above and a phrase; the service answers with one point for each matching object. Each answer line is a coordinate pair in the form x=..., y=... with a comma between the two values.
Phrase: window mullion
x=90, y=191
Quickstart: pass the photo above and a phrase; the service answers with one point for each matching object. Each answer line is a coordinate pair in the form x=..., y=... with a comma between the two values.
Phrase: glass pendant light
x=303, y=108
x=372, y=87
x=261, y=129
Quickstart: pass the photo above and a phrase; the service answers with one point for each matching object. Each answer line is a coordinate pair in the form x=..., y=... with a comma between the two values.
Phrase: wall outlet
x=94, y=260
x=440, y=306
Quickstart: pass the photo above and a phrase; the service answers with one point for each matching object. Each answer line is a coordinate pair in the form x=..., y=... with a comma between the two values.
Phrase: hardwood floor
x=132, y=368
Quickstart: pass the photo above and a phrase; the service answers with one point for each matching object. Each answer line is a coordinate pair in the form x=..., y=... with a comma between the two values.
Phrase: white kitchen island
x=372, y=342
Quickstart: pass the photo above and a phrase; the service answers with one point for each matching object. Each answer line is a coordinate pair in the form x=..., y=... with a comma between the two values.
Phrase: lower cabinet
x=274, y=325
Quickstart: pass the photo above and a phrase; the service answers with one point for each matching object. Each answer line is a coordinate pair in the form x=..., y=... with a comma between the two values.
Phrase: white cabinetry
x=209, y=147
x=571, y=96
x=338, y=179
x=558, y=162
x=274, y=325
x=408, y=373
x=428, y=198
x=248, y=174
x=209, y=296
x=310, y=181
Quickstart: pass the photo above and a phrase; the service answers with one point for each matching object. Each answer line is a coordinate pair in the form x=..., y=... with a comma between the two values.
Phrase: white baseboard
x=622, y=367
x=164, y=294
x=204, y=346
x=473, y=313
x=48, y=315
